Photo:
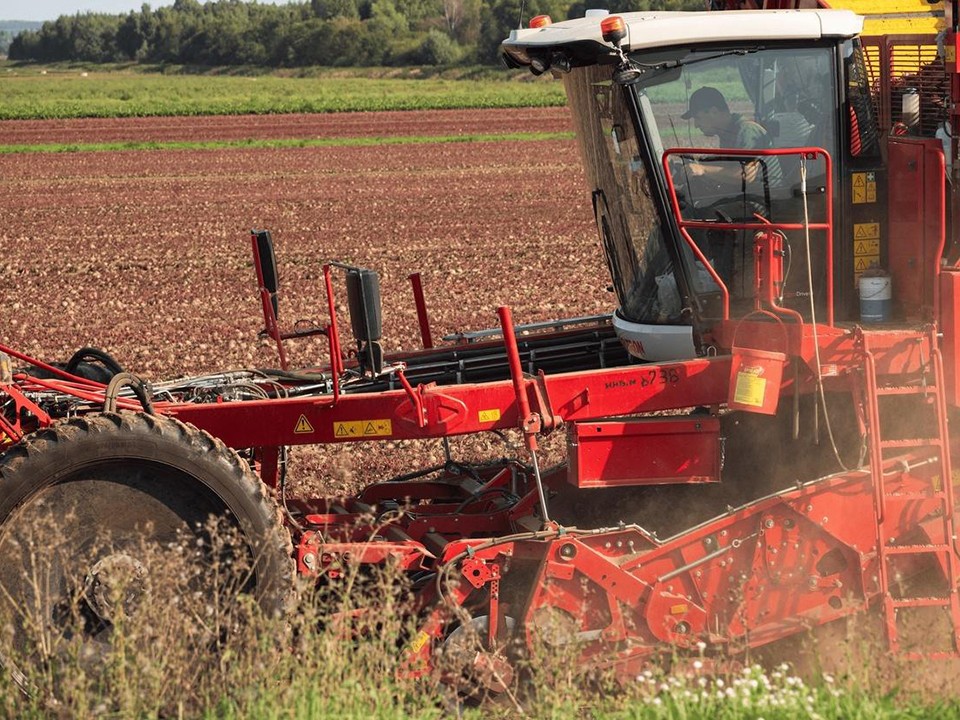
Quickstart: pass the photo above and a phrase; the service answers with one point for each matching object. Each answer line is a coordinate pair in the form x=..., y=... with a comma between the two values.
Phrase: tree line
x=318, y=32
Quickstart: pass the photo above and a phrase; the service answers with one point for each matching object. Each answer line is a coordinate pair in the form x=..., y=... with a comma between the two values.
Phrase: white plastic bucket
x=875, y=298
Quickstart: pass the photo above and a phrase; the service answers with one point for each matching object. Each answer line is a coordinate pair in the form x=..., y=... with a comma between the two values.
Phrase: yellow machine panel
x=895, y=17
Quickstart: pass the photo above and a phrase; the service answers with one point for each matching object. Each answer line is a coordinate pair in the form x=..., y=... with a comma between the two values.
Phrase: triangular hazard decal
x=303, y=426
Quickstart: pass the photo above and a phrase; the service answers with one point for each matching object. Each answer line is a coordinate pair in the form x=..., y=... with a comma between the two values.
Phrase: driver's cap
x=703, y=99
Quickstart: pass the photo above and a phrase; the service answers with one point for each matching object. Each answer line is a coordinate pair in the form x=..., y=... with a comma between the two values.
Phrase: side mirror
x=366, y=320
x=268, y=266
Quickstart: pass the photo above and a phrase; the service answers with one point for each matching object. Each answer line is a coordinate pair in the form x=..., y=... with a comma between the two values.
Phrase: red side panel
x=950, y=326
x=917, y=224
x=609, y=453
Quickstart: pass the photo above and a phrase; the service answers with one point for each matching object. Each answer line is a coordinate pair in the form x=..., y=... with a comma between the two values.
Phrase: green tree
x=386, y=33
x=419, y=13
x=131, y=40
x=579, y=8
x=329, y=9
x=499, y=17
x=462, y=18
x=438, y=48
x=324, y=32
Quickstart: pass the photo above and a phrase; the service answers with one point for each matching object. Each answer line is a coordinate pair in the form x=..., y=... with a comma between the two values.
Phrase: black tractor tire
x=137, y=478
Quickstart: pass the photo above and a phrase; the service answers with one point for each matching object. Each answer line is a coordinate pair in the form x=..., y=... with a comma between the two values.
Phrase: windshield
x=627, y=217
x=712, y=98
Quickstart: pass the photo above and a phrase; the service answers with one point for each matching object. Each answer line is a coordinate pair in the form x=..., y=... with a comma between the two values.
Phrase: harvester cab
x=716, y=146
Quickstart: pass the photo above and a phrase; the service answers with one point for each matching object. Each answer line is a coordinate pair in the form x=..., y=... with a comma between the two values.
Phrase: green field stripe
x=280, y=143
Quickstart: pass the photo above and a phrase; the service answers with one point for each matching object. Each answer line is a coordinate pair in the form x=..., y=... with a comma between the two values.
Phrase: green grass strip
x=48, y=92
x=280, y=143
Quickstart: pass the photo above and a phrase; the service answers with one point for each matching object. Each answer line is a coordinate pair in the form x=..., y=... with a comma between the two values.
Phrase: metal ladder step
x=911, y=443
x=907, y=496
x=918, y=602
x=906, y=390
x=930, y=388
x=915, y=549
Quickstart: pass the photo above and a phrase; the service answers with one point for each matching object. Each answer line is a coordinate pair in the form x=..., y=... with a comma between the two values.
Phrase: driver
x=747, y=182
x=711, y=115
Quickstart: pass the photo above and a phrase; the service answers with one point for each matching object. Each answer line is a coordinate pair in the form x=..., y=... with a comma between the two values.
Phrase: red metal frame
x=759, y=573
x=271, y=324
x=748, y=577
x=761, y=225
x=422, y=318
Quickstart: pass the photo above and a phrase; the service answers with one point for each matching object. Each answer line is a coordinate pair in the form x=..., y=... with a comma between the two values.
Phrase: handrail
x=804, y=153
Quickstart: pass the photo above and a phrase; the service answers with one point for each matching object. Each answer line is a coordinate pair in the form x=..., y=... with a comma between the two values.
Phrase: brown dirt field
x=146, y=253
x=241, y=127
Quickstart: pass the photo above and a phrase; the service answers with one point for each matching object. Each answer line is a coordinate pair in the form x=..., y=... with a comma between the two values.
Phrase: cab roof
x=670, y=29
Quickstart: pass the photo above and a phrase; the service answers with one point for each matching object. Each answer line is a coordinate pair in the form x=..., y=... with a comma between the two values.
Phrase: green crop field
x=40, y=92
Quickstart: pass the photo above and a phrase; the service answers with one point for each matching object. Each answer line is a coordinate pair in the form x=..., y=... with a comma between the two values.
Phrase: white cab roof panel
x=666, y=29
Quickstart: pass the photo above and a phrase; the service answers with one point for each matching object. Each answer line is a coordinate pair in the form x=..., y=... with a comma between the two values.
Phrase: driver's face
x=708, y=122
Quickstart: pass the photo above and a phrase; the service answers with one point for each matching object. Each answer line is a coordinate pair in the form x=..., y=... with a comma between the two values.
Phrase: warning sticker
x=864, y=188
x=750, y=389
x=489, y=415
x=416, y=645
x=866, y=231
x=865, y=262
x=303, y=426
x=866, y=247
x=363, y=428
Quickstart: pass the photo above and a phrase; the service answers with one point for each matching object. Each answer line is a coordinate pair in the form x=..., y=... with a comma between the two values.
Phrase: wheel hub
x=115, y=581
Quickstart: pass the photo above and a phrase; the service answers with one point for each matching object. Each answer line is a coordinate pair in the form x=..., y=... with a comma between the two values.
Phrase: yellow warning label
x=303, y=426
x=489, y=415
x=866, y=231
x=866, y=247
x=864, y=188
x=679, y=609
x=750, y=389
x=419, y=641
x=363, y=428
x=865, y=262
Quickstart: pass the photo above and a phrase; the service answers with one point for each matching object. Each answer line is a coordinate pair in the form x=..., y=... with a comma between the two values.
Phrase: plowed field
x=147, y=254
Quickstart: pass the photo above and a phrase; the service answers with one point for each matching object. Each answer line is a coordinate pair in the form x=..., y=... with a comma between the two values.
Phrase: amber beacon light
x=613, y=29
